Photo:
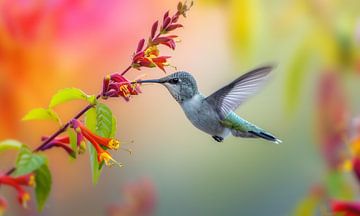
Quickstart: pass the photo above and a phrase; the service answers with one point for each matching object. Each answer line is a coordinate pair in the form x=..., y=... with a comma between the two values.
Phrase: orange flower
x=99, y=143
x=26, y=180
x=103, y=155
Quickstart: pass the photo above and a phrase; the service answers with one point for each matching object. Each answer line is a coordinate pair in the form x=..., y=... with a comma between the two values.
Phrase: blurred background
x=46, y=45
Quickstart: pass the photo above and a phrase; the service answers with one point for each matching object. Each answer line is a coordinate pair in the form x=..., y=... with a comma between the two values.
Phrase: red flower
x=118, y=85
x=17, y=183
x=99, y=143
x=62, y=142
x=150, y=56
x=345, y=208
x=26, y=180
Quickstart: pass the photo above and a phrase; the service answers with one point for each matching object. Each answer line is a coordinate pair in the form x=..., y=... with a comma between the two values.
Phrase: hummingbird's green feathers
x=234, y=122
x=242, y=128
x=231, y=96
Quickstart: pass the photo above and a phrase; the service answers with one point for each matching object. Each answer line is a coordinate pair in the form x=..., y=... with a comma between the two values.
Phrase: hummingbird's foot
x=218, y=138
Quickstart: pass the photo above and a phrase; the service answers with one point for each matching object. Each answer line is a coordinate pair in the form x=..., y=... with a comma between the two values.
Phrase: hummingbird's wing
x=231, y=96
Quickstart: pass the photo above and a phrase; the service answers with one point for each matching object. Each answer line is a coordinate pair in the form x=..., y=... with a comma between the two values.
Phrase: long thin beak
x=150, y=81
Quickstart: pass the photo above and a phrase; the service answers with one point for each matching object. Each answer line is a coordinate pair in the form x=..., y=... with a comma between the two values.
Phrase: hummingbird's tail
x=256, y=133
x=266, y=136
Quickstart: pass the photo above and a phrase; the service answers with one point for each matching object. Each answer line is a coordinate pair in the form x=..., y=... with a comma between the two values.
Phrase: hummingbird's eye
x=173, y=81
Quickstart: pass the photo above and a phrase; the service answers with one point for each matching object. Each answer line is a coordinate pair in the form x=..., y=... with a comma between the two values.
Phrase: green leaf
x=28, y=162
x=95, y=166
x=90, y=122
x=114, y=127
x=69, y=94
x=104, y=120
x=73, y=142
x=43, y=185
x=10, y=144
x=41, y=114
x=100, y=121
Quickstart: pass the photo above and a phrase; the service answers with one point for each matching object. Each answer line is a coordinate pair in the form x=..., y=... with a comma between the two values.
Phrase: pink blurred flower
x=139, y=200
x=345, y=208
x=332, y=118
x=356, y=168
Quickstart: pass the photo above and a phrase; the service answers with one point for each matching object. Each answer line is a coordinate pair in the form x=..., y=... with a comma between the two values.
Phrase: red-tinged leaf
x=161, y=40
x=118, y=78
x=171, y=44
x=175, y=18
x=140, y=45
x=166, y=15
x=166, y=23
x=154, y=29
x=173, y=27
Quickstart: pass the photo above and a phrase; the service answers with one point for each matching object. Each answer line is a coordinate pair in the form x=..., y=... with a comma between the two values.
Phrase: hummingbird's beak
x=151, y=81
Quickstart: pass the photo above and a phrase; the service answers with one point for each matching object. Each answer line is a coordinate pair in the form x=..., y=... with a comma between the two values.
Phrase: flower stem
x=126, y=70
x=58, y=132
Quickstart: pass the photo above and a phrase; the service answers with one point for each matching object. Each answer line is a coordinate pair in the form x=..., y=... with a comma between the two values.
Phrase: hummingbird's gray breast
x=203, y=116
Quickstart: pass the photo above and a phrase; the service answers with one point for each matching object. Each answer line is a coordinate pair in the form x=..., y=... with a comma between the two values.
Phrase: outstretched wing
x=231, y=96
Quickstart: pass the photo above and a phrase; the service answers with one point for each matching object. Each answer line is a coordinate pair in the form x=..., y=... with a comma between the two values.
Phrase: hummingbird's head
x=181, y=85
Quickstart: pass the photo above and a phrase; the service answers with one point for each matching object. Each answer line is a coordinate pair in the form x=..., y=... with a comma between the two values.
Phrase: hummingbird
x=215, y=114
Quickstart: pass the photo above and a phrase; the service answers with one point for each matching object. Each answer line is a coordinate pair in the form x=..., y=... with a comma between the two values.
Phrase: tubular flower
x=26, y=180
x=3, y=205
x=62, y=142
x=99, y=143
x=17, y=182
x=345, y=208
x=23, y=198
x=118, y=85
x=150, y=57
x=103, y=155
x=109, y=143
